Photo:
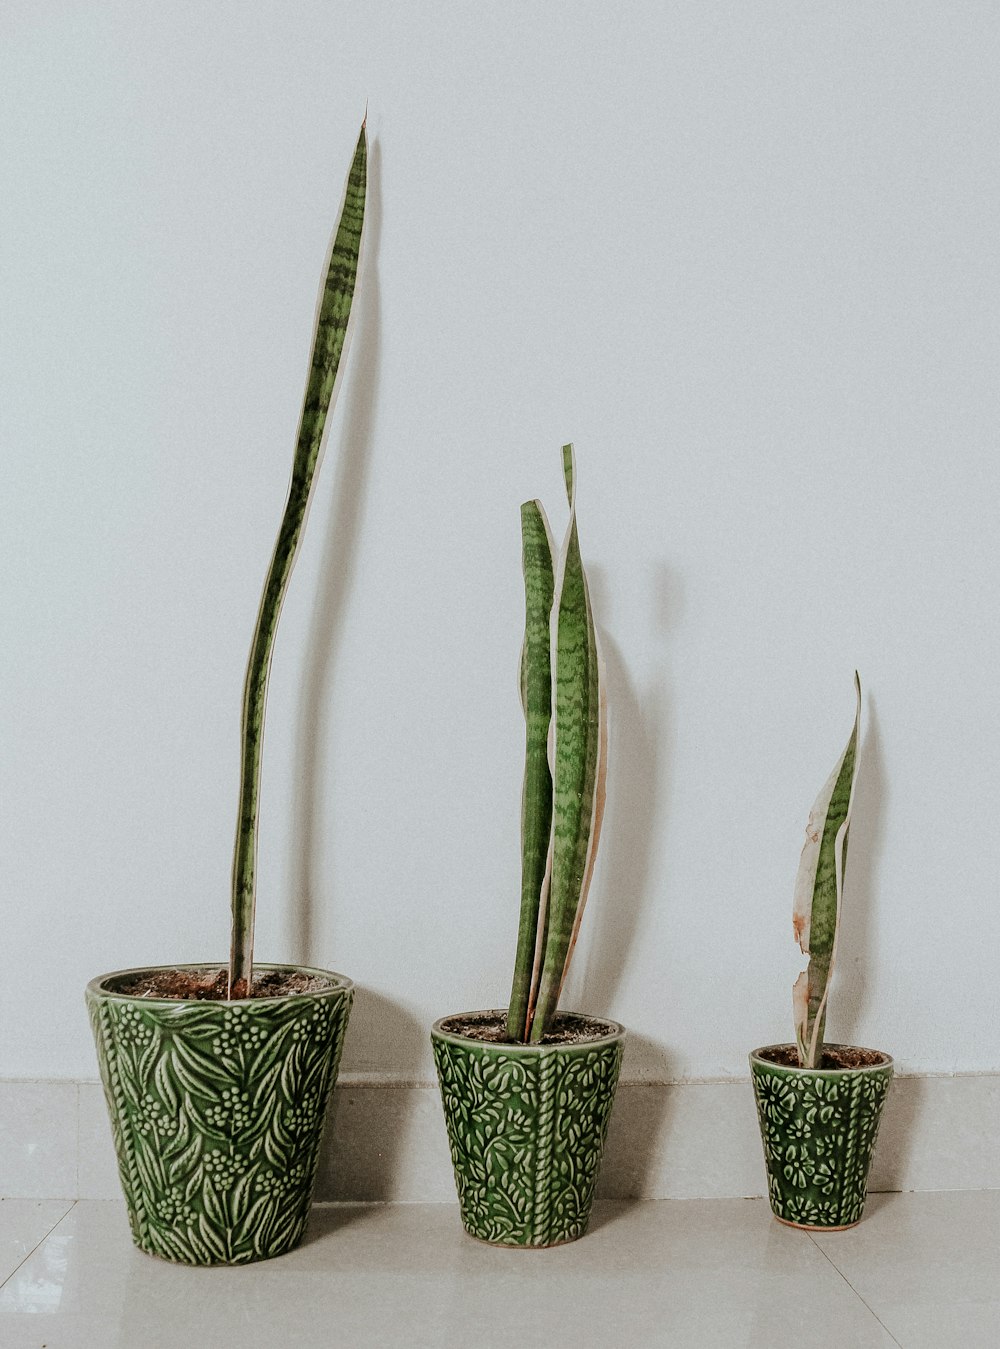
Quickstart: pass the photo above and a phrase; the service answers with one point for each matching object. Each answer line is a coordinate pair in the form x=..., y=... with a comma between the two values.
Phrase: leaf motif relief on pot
x=217, y=1113
x=526, y=1133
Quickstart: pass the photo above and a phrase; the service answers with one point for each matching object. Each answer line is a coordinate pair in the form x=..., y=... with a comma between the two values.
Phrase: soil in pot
x=568, y=1028
x=212, y=985
x=836, y=1057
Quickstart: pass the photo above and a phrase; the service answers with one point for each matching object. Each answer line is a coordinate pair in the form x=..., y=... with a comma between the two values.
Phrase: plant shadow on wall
x=370, y=1147
x=362, y=1159
x=858, y=937
x=640, y=744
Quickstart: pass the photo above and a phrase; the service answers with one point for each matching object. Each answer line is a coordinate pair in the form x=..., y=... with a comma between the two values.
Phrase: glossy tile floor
x=921, y=1270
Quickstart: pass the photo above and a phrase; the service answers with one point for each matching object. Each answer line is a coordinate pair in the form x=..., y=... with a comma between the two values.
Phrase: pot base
x=815, y=1227
x=520, y=1245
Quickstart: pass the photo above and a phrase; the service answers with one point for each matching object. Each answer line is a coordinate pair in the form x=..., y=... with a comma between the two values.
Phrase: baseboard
x=385, y=1141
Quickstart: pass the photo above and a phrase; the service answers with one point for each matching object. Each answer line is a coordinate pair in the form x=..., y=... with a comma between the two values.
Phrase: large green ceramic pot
x=217, y=1112
x=526, y=1124
x=818, y=1126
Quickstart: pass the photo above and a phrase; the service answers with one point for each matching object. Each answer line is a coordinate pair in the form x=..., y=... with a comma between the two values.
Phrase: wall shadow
x=382, y=1031
x=637, y=1133
x=897, y=1135
x=637, y=741
x=356, y=416
x=640, y=741
x=370, y=1125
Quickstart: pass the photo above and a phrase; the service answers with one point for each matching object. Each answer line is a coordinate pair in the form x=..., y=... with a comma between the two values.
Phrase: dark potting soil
x=843, y=1056
x=566, y=1029
x=211, y=985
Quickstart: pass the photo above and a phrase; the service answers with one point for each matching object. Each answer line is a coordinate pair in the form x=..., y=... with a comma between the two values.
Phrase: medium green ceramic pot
x=217, y=1112
x=818, y=1126
x=526, y=1124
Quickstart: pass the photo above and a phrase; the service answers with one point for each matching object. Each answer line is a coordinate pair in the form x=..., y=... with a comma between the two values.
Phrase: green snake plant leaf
x=330, y=333
x=536, y=795
x=600, y=797
x=576, y=758
x=819, y=889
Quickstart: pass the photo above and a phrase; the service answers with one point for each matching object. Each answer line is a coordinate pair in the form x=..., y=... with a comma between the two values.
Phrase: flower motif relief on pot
x=819, y=1130
x=216, y=1113
x=526, y=1129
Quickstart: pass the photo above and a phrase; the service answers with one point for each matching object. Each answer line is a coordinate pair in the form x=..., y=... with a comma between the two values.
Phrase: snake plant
x=329, y=335
x=819, y=891
x=562, y=804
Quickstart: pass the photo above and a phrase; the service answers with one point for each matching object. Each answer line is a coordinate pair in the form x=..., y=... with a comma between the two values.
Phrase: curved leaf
x=329, y=340
x=575, y=754
x=819, y=890
x=536, y=794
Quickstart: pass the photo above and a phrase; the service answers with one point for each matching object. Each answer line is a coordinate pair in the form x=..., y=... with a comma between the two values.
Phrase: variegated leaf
x=536, y=795
x=819, y=890
x=329, y=342
x=576, y=739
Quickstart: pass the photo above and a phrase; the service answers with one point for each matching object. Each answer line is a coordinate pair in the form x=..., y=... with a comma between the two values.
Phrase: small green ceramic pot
x=217, y=1112
x=818, y=1127
x=526, y=1124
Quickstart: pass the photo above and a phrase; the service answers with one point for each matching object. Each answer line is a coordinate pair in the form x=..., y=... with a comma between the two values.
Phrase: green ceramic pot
x=526, y=1124
x=217, y=1112
x=818, y=1127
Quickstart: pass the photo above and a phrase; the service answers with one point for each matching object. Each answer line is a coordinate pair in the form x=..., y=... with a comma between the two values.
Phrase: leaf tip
x=569, y=471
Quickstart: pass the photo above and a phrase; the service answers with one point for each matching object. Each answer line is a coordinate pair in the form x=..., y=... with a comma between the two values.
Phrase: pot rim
x=517, y=1046
x=756, y=1056
x=96, y=989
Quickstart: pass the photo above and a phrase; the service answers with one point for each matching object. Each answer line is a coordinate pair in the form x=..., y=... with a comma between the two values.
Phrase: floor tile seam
x=70, y=1206
x=835, y=1266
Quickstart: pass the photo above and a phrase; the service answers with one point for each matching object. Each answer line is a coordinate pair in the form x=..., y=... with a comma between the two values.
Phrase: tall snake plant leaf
x=576, y=758
x=330, y=333
x=536, y=795
x=597, y=674
x=819, y=890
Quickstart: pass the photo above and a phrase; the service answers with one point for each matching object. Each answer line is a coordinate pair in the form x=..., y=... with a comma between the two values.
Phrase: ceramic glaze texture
x=217, y=1111
x=819, y=1129
x=526, y=1125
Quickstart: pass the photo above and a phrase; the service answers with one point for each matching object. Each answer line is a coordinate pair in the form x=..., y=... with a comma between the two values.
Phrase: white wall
x=745, y=256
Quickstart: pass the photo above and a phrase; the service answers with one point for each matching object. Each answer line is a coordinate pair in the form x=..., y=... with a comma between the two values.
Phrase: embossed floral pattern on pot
x=818, y=1127
x=217, y=1113
x=526, y=1126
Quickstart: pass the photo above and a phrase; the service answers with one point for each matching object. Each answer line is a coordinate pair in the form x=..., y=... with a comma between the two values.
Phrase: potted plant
x=217, y=1080
x=820, y=1104
x=527, y=1092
